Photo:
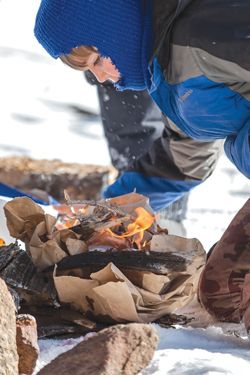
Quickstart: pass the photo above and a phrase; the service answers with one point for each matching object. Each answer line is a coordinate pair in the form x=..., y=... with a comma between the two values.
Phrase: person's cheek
x=100, y=75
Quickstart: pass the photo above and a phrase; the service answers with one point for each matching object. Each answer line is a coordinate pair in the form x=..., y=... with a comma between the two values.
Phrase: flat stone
x=117, y=350
x=8, y=351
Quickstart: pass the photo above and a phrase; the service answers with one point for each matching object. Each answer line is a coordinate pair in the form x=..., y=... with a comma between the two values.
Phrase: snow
x=50, y=349
x=187, y=352
x=40, y=118
x=199, y=351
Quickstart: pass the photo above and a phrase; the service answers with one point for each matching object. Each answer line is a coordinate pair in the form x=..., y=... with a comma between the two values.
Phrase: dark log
x=7, y=254
x=156, y=262
x=20, y=274
x=61, y=323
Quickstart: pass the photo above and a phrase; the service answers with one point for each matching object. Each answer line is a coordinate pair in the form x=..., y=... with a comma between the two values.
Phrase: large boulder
x=8, y=350
x=117, y=350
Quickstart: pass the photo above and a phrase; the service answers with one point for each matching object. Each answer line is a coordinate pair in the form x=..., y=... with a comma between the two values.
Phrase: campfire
x=107, y=260
x=135, y=230
x=113, y=226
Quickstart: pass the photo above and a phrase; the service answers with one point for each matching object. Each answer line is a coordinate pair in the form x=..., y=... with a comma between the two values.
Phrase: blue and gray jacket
x=200, y=79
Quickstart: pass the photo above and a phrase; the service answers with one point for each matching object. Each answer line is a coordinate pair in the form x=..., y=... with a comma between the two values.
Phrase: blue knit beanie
x=120, y=29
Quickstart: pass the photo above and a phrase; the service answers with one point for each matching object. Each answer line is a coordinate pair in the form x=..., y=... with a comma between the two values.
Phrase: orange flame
x=2, y=242
x=135, y=230
x=143, y=221
x=65, y=218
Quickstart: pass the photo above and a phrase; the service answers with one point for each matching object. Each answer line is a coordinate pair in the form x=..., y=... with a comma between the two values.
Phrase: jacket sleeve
x=237, y=149
x=173, y=166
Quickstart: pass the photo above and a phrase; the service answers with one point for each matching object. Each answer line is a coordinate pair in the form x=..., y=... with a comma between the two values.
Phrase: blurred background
x=49, y=111
x=42, y=98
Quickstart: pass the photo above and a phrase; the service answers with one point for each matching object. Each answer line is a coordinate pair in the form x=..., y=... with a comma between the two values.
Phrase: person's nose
x=99, y=73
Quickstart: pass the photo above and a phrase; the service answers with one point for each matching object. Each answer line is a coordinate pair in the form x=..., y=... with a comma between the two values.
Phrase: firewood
x=63, y=322
x=156, y=262
x=20, y=274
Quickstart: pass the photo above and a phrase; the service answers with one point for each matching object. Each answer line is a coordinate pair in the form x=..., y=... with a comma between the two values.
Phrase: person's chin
x=113, y=79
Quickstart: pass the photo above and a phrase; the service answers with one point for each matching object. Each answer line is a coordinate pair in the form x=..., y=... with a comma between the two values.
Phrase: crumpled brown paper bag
x=113, y=296
x=23, y=215
x=110, y=294
x=28, y=222
x=132, y=295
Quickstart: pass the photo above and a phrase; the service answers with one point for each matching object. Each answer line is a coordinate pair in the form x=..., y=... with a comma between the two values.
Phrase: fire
x=143, y=221
x=117, y=231
x=66, y=217
x=2, y=242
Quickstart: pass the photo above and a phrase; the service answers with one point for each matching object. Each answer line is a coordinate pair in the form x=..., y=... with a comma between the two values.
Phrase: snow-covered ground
x=182, y=351
x=40, y=118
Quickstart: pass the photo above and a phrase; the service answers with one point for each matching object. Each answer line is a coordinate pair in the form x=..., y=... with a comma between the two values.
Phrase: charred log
x=156, y=262
x=63, y=322
x=20, y=274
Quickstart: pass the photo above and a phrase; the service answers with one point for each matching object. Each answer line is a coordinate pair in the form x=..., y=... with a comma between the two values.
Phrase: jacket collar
x=164, y=17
